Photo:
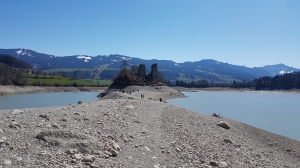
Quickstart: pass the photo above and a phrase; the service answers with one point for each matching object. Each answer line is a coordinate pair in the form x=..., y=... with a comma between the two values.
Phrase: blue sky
x=250, y=33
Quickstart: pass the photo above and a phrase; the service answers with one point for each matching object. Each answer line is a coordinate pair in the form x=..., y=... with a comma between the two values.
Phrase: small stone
x=213, y=163
x=15, y=112
x=107, y=153
x=44, y=116
x=206, y=166
x=89, y=158
x=71, y=151
x=156, y=166
x=19, y=158
x=147, y=149
x=54, y=125
x=1, y=131
x=223, y=165
x=77, y=156
x=15, y=125
x=44, y=152
x=223, y=124
x=228, y=141
x=64, y=119
x=116, y=146
x=113, y=152
x=7, y=162
x=94, y=166
x=77, y=113
x=98, y=152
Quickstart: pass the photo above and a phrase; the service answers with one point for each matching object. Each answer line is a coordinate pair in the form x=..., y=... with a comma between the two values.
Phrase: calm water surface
x=33, y=100
x=275, y=112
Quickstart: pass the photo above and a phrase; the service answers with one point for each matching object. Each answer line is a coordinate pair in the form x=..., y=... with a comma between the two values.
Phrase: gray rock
x=213, y=163
x=77, y=113
x=7, y=162
x=223, y=164
x=147, y=149
x=15, y=125
x=44, y=116
x=71, y=151
x=113, y=152
x=64, y=119
x=77, y=156
x=1, y=131
x=19, y=158
x=54, y=125
x=228, y=141
x=94, y=166
x=89, y=158
x=16, y=112
x=223, y=124
x=116, y=146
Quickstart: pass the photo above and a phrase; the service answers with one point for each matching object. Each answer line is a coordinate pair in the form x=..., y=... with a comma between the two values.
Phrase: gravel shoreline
x=125, y=130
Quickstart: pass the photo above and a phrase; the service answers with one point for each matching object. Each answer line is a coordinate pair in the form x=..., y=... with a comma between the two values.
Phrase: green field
x=61, y=81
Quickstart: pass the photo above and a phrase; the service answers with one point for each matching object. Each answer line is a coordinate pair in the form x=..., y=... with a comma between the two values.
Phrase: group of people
x=215, y=115
x=142, y=96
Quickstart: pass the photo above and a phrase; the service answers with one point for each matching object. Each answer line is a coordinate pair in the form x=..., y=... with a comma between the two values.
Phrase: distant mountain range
x=209, y=69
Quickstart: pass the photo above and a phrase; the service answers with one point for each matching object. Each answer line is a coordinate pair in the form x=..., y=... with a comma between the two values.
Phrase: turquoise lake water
x=33, y=100
x=275, y=112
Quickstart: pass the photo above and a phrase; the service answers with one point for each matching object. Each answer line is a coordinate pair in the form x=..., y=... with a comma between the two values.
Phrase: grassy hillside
x=39, y=80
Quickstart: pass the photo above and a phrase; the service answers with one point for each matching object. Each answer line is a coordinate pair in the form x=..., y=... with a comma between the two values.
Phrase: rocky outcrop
x=139, y=79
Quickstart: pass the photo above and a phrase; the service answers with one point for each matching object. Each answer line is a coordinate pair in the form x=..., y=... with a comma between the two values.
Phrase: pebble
x=77, y=156
x=147, y=149
x=44, y=116
x=71, y=151
x=223, y=165
x=228, y=141
x=156, y=166
x=7, y=162
x=15, y=112
x=113, y=152
x=77, y=113
x=213, y=163
x=116, y=146
x=1, y=131
x=89, y=158
x=223, y=124
x=54, y=125
x=2, y=140
x=15, y=125
x=94, y=166
x=64, y=119
x=19, y=158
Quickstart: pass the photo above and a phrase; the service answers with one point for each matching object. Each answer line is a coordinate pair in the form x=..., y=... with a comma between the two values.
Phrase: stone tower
x=142, y=70
x=154, y=71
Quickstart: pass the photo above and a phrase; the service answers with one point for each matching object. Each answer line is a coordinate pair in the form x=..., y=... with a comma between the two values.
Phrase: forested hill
x=107, y=66
x=278, y=82
x=14, y=62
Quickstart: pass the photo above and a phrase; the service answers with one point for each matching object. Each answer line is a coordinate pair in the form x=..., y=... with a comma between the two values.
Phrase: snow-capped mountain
x=211, y=70
x=279, y=69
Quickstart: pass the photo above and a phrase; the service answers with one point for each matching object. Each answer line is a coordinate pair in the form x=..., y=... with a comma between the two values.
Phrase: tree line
x=12, y=76
x=286, y=81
